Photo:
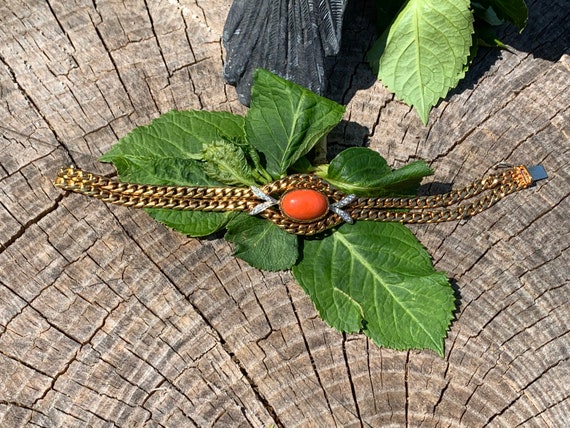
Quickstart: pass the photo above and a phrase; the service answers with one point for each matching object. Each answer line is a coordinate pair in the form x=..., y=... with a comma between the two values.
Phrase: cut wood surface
x=110, y=319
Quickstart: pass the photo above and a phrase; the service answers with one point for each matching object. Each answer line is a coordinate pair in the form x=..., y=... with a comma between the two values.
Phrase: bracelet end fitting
x=537, y=172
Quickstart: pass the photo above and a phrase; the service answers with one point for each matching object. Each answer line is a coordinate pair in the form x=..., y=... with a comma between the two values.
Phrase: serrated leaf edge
x=340, y=237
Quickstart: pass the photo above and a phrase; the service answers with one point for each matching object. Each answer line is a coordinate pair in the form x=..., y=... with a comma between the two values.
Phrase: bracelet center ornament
x=304, y=205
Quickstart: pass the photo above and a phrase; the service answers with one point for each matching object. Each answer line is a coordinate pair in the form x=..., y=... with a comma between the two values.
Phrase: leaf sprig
x=426, y=45
x=370, y=277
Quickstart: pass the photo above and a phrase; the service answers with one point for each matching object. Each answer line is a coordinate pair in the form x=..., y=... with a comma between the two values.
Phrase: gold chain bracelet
x=305, y=204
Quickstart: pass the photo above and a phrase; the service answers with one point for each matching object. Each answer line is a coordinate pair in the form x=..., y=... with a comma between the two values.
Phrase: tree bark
x=110, y=319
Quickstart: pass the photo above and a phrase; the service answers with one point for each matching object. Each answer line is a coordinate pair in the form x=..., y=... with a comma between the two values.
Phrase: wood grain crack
x=219, y=337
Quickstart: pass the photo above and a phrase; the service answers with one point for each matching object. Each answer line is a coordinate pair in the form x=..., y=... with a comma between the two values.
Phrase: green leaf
x=364, y=172
x=163, y=171
x=422, y=55
x=226, y=162
x=191, y=223
x=513, y=11
x=286, y=120
x=404, y=181
x=262, y=244
x=164, y=152
x=177, y=134
x=302, y=166
x=252, y=155
x=377, y=277
x=352, y=169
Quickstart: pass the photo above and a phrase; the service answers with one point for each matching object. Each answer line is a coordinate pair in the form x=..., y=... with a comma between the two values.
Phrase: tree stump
x=110, y=319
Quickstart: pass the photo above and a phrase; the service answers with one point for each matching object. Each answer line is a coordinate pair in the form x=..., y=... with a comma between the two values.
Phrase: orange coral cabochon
x=304, y=205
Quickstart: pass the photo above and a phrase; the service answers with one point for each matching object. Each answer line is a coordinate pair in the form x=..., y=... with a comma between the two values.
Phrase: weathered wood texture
x=109, y=319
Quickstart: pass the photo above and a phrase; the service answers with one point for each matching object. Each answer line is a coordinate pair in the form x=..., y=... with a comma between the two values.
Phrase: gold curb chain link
x=152, y=196
x=437, y=208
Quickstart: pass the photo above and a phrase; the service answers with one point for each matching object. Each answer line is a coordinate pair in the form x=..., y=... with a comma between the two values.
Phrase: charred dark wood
x=287, y=37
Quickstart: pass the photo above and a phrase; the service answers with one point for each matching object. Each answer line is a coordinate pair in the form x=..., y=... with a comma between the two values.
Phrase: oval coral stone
x=304, y=205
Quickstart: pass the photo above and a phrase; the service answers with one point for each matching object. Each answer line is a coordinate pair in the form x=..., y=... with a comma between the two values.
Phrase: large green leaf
x=422, y=55
x=364, y=172
x=262, y=244
x=164, y=152
x=285, y=120
x=377, y=277
x=177, y=134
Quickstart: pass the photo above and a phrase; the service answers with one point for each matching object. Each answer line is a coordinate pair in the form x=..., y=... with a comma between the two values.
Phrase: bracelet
x=305, y=204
